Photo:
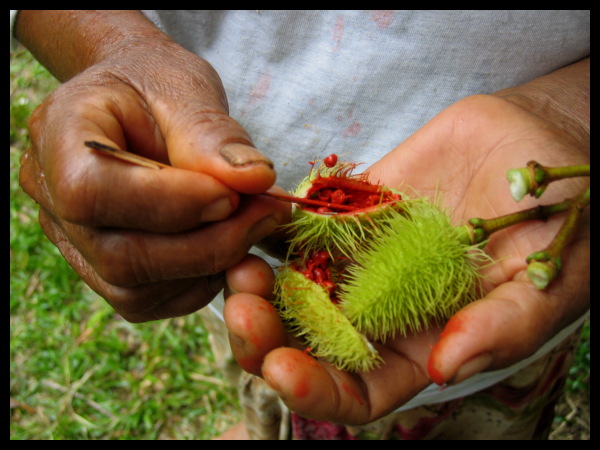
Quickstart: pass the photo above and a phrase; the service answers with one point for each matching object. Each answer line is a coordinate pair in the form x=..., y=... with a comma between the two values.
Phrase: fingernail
x=471, y=367
x=243, y=155
x=217, y=210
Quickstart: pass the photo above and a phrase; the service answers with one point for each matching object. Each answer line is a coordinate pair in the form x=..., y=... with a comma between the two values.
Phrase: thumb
x=509, y=324
x=201, y=136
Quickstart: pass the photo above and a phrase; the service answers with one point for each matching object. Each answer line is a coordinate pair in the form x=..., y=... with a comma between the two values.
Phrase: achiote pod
x=368, y=261
x=308, y=312
x=348, y=212
x=419, y=271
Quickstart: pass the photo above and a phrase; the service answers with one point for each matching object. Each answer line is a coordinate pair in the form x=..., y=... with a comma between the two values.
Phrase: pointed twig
x=310, y=202
x=124, y=156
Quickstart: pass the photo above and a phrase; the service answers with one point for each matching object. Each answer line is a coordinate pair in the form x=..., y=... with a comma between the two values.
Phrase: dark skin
x=177, y=229
x=178, y=235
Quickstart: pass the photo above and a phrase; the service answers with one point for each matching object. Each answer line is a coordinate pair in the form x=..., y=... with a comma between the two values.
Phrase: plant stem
x=480, y=230
x=545, y=265
x=535, y=178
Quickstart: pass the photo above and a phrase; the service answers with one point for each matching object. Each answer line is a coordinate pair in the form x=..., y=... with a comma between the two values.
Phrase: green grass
x=77, y=370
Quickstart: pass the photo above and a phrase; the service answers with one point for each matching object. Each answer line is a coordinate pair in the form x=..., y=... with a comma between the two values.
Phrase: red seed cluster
x=333, y=197
x=317, y=269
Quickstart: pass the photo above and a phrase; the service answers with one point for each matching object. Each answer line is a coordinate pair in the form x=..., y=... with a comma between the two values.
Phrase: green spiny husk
x=417, y=272
x=405, y=267
x=309, y=314
x=339, y=233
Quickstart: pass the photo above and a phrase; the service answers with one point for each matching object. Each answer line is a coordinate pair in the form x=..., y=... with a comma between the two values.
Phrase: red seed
x=321, y=257
x=319, y=275
x=331, y=160
x=338, y=196
x=308, y=274
x=373, y=200
x=324, y=195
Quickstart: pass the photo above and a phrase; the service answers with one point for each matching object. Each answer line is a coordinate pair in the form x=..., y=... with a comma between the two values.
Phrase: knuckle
x=69, y=180
x=223, y=256
x=34, y=123
x=117, y=261
x=130, y=304
x=27, y=179
x=129, y=260
x=73, y=195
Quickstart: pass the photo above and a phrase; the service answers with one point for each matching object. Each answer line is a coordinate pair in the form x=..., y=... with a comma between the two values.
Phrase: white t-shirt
x=306, y=84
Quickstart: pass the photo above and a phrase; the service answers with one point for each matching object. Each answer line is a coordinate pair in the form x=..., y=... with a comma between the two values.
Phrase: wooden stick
x=145, y=162
x=311, y=202
x=124, y=156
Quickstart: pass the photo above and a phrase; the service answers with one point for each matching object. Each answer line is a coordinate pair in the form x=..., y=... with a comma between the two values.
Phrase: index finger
x=86, y=188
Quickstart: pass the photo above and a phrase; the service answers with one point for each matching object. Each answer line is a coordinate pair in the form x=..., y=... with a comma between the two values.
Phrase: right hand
x=463, y=154
x=153, y=243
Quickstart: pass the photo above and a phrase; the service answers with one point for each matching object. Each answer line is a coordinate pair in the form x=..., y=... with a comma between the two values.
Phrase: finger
x=254, y=329
x=159, y=300
x=321, y=392
x=201, y=136
x=129, y=258
x=252, y=275
x=510, y=324
x=120, y=263
x=91, y=189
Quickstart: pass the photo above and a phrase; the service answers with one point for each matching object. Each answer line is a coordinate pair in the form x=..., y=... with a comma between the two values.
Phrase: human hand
x=463, y=153
x=153, y=243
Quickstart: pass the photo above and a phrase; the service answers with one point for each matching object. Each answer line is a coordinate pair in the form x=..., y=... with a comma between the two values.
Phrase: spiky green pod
x=417, y=273
x=308, y=312
x=405, y=266
x=339, y=232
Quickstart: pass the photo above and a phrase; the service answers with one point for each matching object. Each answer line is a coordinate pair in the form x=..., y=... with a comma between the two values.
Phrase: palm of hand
x=463, y=153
